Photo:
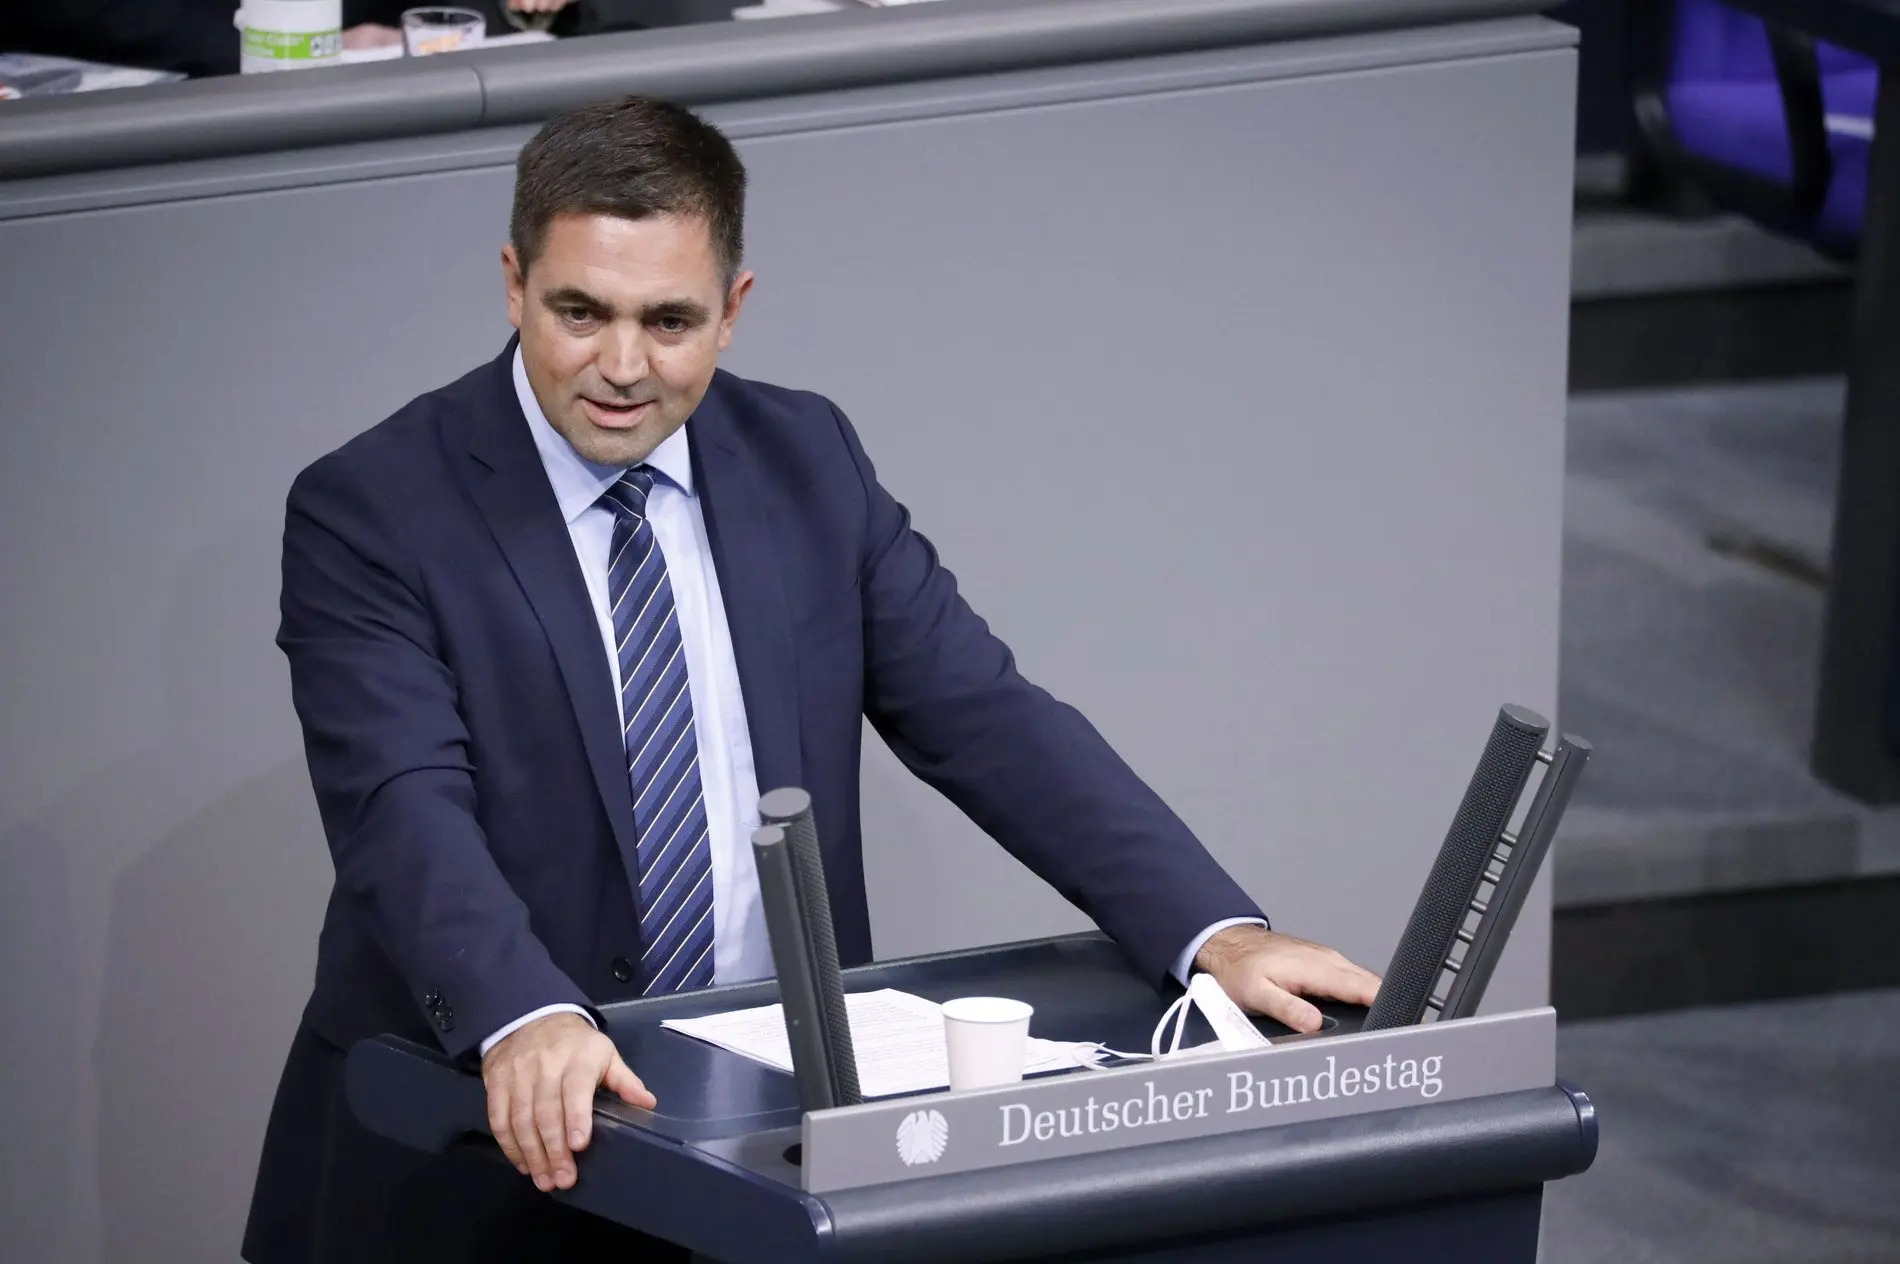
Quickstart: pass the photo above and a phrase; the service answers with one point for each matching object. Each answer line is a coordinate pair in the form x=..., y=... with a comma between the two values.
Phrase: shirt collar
x=578, y=482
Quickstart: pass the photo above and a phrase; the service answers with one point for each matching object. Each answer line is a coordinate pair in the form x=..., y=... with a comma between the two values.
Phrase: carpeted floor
x=1696, y=539
x=1696, y=544
x=1739, y=1135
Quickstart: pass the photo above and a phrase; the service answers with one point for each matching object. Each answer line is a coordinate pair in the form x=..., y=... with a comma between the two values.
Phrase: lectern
x=1379, y=1138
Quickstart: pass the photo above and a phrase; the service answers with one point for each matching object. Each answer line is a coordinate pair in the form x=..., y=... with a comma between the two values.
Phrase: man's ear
x=735, y=301
x=515, y=282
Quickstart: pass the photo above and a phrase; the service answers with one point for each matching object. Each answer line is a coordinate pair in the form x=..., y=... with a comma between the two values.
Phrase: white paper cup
x=986, y=1038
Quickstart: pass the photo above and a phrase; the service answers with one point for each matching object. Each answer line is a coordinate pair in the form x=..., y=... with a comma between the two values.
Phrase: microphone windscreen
x=790, y=808
x=1454, y=879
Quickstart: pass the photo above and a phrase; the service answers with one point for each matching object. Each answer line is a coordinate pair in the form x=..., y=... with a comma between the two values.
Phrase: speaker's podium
x=1379, y=1138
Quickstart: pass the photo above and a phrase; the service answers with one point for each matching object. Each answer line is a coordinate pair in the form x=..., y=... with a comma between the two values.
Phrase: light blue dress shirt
x=741, y=947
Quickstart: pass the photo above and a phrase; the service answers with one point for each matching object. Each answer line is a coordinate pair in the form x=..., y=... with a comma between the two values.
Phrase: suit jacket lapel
x=511, y=488
x=739, y=529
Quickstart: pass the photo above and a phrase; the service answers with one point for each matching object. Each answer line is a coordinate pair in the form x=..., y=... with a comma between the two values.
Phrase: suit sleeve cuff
x=502, y=1033
x=1184, y=964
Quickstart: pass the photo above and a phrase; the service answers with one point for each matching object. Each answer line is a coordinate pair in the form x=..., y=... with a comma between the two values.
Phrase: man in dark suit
x=553, y=627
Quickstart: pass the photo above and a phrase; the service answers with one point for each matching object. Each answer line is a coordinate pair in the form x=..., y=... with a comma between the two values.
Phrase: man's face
x=622, y=322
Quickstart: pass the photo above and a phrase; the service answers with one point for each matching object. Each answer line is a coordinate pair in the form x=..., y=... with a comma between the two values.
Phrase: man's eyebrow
x=686, y=309
x=574, y=296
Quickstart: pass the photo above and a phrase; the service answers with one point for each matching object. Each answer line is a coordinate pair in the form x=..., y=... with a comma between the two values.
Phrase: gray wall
x=1285, y=336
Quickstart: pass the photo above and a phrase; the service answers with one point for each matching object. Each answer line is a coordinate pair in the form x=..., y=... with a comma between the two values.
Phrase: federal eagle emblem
x=922, y=1137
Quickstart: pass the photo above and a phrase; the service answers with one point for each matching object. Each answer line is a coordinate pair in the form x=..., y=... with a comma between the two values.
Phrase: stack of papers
x=393, y=52
x=897, y=1037
x=31, y=74
x=792, y=8
x=789, y=8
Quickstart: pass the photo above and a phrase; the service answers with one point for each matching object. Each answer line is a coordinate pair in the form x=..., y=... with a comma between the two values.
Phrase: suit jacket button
x=432, y=1001
x=445, y=1020
x=622, y=968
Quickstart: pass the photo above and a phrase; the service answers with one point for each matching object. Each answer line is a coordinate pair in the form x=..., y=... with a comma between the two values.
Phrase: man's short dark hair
x=632, y=159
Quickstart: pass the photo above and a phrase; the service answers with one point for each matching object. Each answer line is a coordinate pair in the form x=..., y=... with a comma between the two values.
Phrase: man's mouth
x=615, y=414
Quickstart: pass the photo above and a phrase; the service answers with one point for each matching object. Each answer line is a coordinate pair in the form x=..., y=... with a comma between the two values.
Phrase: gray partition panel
x=1231, y=384
x=931, y=41
x=237, y=115
x=692, y=65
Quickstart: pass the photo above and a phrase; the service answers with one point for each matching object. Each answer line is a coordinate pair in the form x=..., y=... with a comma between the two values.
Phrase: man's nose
x=623, y=357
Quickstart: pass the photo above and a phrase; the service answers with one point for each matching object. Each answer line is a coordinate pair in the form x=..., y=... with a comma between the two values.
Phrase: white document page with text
x=896, y=1037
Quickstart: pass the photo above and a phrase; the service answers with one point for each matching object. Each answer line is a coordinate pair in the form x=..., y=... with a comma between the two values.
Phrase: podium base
x=1496, y=1229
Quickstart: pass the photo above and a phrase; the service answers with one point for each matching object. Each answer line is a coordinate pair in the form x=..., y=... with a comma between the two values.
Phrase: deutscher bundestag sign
x=1196, y=1095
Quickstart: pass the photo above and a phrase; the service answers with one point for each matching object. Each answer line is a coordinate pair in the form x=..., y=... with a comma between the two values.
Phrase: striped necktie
x=656, y=711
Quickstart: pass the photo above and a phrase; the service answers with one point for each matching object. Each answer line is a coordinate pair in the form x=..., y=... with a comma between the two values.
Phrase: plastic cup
x=428, y=31
x=985, y=1038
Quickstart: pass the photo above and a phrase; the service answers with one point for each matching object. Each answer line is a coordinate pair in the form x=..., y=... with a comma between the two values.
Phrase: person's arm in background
x=193, y=36
x=389, y=761
x=537, y=7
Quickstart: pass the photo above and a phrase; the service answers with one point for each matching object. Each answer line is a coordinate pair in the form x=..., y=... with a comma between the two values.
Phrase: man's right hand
x=541, y=1081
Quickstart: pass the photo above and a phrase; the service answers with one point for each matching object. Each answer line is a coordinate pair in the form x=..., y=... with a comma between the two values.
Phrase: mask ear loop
x=1176, y=1013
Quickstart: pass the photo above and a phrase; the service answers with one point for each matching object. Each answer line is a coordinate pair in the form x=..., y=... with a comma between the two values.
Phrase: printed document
x=897, y=1038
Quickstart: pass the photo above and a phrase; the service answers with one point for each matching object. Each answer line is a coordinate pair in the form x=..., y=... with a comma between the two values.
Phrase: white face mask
x=1232, y=1029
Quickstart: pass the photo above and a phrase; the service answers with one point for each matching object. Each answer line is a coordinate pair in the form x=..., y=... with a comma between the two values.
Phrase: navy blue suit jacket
x=464, y=742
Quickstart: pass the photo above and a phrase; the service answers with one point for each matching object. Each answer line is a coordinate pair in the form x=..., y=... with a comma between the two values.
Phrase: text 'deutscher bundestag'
x=1200, y=1095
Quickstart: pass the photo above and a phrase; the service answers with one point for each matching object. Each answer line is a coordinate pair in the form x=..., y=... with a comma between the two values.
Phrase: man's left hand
x=1267, y=973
